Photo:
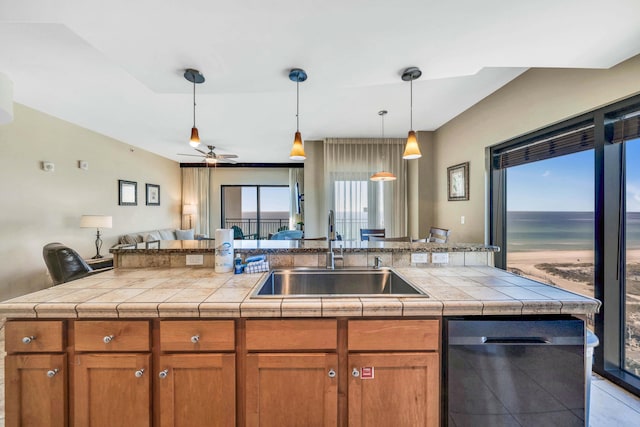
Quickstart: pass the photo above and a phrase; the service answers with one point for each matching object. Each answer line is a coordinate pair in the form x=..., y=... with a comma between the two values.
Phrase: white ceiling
x=117, y=67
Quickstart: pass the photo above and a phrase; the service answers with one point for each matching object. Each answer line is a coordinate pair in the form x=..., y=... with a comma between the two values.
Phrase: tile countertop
x=200, y=292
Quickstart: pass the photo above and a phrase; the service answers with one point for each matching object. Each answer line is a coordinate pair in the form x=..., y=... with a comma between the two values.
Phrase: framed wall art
x=458, y=182
x=127, y=193
x=153, y=194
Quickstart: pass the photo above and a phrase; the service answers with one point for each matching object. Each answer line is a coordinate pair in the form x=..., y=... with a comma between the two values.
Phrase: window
x=597, y=158
x=257, y=210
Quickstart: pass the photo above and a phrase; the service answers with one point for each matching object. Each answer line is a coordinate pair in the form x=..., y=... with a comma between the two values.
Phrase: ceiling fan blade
x=200, y=151
x=190, y=155
x=225, y=160
x=227, y=156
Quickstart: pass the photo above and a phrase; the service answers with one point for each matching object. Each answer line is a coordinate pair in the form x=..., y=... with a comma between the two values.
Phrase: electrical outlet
x=440, y=258
x=419, y=258
x=195, y=259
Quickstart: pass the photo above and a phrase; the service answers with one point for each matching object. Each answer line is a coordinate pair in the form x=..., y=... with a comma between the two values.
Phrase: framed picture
x=458, y=182
x=127, y=193
x=153, y=195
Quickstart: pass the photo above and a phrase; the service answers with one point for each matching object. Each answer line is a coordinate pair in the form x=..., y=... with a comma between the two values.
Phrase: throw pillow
x=151, y=236
x=184, y=234
x=167, y=235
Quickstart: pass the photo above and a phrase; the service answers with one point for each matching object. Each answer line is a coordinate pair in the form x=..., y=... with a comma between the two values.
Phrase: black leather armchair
x=64, y=264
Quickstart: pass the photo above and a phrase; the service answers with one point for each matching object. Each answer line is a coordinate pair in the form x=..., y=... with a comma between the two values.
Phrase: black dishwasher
x=521, y=371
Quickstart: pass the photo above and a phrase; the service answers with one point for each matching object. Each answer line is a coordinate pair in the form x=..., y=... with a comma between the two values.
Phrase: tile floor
x=611, y=406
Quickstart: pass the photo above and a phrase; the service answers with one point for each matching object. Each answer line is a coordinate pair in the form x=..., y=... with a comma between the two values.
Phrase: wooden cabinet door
x=291, y=389
x=403, y=390
x=112, y=389
x=197, y=390
x=36, y=390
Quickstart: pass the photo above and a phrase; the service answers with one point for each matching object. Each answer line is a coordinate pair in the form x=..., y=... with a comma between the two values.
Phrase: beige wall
x=536, y=99
x=40, y=207
x=241, y=176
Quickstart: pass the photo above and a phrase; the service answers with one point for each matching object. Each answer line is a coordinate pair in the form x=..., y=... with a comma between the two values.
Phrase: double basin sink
x=301, y=283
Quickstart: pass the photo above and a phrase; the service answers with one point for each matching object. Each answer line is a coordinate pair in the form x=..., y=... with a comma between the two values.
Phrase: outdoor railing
x=249, y=226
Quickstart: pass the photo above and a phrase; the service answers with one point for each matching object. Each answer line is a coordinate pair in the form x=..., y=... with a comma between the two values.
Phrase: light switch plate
x=195, y=259
x=440, y=258
x=419, y=258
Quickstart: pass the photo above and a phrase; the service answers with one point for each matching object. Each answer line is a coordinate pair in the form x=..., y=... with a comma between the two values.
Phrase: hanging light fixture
x=411, y=150
x=297, y=151
x=382, y=176
x=195, y=77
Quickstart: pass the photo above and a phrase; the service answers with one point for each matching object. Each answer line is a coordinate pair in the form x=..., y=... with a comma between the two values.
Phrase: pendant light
x=411, y=150
x=195, y=77
x=297, y=151
x=382, y=176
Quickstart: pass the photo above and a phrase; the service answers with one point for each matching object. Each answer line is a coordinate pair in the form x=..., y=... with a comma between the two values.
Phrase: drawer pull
x=355, y=372
x=27, y=340
x=332, y=373
x=163, y=374
x=139, y=373
x=195, y=339
x=52, y=373
x=107, y=339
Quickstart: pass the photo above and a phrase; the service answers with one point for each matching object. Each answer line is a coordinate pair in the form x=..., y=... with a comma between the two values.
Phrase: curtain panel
x=357, y=201
x=195, y=191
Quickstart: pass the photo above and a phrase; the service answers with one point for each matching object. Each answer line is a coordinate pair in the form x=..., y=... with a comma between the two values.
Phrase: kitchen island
x=154, y=345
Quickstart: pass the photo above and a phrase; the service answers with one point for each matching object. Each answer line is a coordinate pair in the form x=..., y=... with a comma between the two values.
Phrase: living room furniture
x=97, y=222
x=438, y=235
x=64, y=264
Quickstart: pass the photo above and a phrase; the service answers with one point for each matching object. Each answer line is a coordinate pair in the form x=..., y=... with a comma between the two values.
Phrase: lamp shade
x=383, y=176
x=195, y=138
x=6, y=99
x=411, y=150
x=95, y=221
x=297, y=151
x=189, y=210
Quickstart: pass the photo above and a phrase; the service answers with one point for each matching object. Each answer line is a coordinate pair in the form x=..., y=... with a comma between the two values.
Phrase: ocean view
x=560, y=231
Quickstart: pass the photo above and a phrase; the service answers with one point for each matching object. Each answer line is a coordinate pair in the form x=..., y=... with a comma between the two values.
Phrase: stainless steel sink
x=301, y=283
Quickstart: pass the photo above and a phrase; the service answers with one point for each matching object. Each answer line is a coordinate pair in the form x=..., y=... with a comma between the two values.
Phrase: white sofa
x=162, y=234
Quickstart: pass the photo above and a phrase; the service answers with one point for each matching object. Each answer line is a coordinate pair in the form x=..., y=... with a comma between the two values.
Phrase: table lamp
x=189, y=210
x=97, y=222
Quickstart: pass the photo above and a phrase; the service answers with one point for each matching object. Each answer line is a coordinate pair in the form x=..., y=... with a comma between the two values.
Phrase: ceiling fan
x=211, y=157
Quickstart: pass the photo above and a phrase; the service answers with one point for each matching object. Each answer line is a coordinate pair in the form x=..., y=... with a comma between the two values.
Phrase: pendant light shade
x=382, y=175
x=297, y=151
x=195, y=77
x=411, y=149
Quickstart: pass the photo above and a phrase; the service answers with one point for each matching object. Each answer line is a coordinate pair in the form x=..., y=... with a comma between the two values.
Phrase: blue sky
x=566, y=183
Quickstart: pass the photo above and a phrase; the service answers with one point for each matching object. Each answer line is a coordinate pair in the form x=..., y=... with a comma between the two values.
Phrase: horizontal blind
x=624, y=129
x=546, y=147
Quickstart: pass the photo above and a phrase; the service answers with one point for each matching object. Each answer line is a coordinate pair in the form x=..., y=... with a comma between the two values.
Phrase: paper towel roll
x=224, y=250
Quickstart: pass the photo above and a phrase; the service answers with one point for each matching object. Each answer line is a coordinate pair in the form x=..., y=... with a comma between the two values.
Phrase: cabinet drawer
x=31, y=336
x=292, y=334
x=403, y=335
x=197, y=335
x=112, y=335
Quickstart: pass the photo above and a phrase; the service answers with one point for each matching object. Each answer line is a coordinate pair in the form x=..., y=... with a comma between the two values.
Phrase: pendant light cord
x=411, y=104
x=297, y=104
x=194, y=102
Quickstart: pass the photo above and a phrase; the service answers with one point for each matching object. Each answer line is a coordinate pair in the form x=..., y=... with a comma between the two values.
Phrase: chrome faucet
x=377, y=263
x=331, y=238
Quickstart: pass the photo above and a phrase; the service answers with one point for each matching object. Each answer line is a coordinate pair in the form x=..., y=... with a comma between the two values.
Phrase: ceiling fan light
x=383, y=176
x=411, y=149
x=195, y=138
x=297, y=151
x=211, y=160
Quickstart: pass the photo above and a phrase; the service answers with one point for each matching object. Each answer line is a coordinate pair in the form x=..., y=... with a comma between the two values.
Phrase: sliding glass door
x=256, y=210
x=632, y=258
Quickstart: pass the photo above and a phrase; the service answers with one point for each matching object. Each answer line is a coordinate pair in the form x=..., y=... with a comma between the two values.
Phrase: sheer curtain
x=195, y=191
x=357, y=201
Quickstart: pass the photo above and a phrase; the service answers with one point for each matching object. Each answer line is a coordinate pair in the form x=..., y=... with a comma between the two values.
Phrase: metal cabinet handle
x=27, y=340
x=139, y=373
x=52, y=373
x=107, y=339
x=332, y=373
x=355, y=372
x=163, y=374
x=195, y=339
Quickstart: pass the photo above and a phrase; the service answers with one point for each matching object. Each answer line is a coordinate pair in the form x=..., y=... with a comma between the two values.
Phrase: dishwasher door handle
x=515, y=340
